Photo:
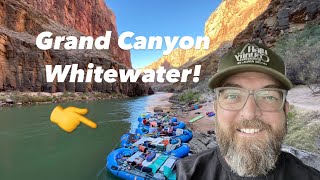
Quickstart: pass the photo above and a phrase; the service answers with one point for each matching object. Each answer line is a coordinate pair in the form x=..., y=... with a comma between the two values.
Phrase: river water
x=33, y=148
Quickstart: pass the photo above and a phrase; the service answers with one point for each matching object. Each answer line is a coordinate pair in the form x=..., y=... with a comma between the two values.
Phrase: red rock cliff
x=238, y=21
x=22, y=64
x=280, y=17
x=90, y=17
x=228, y=20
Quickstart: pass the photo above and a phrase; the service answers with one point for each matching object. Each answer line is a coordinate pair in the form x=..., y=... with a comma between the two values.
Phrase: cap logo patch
x=252, y=54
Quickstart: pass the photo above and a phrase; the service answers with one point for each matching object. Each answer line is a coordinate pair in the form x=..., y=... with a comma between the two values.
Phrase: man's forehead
x=241, y=79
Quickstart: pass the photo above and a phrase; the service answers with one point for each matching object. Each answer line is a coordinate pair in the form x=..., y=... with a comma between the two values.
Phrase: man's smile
x=249, y=131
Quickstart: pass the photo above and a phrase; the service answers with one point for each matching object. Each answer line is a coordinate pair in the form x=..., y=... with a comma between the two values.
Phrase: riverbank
x=13, y=98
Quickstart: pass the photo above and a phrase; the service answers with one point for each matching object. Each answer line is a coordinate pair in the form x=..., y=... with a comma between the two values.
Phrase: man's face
x=250, y=138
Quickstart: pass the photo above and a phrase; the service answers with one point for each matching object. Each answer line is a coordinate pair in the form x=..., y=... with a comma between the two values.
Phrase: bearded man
x=251, y=121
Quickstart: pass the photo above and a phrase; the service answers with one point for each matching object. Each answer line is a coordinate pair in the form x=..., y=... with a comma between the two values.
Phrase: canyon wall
x=22, y=64
x=236, y=21
x=90, y=17
x=228, y=20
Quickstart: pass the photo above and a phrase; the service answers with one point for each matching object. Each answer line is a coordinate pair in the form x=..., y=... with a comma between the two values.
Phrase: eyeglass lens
x=231, y=98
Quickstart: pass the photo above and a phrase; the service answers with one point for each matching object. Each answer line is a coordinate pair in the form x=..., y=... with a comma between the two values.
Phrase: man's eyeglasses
x=234, y=98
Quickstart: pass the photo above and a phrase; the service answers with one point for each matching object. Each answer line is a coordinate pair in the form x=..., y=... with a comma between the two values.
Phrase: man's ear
x=215, y=107
x=286, y=107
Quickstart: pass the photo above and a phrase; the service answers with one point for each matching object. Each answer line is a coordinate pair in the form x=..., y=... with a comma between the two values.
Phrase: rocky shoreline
x=14, y=98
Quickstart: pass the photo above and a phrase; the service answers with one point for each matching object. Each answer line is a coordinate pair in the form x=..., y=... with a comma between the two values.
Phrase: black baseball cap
x=250, y=57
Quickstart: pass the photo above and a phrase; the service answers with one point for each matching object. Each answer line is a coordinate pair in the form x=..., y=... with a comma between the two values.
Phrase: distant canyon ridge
x=236, y=21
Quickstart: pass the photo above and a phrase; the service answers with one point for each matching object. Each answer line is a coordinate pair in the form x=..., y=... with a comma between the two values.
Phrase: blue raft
x=118, y=164
x=152, y=151
x=186, y=136
x=180, y=151
x=113, y=166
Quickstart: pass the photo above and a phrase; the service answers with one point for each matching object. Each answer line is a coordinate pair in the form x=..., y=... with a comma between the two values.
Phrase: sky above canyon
x=160, y=18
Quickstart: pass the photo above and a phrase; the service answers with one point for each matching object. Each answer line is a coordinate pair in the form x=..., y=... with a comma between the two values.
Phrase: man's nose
x=250, y=109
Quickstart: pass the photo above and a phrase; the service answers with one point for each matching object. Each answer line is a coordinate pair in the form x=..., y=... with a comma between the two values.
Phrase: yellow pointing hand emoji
x=69, y=118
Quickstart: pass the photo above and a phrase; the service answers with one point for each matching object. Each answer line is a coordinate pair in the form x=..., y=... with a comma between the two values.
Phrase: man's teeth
x=250, y=131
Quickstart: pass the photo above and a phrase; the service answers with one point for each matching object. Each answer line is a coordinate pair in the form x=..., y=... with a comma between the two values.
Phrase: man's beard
x=251, y=157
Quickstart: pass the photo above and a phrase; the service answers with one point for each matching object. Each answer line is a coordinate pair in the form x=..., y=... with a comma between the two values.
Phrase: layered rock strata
x=236, y=21
x=280, y=17
x=22, y=64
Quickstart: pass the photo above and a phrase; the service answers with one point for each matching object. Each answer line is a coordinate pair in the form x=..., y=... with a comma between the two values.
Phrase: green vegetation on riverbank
x=303, y=130
x=189, y=96
x=41, y=97
x=300, y=52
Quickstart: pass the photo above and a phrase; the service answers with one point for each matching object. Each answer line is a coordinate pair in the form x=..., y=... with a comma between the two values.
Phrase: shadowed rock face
x=280, y=17
x=237, y=21
x=228, y=20
x=22, y=64
x=90, y=17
